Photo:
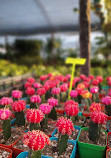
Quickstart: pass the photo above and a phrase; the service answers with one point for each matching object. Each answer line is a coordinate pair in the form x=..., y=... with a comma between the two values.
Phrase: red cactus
x=95, y=107
x=34, y=115
x=71, y=102
x=64, y=87
x=36, y=140
x=72, y=109
x=30, y=91
x=18, y=106
x=64, y=126
x=41, y=91
x=98, y=117
x=27, y=85
x=31, y=80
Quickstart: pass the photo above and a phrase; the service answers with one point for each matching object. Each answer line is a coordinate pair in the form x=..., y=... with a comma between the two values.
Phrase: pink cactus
x=31, y=80
x=65, y=79
x=91, y=77
x=109, y=83
x=35, y=99
x=108, y=78
x=41, y=91
x=17, y=94
x=55, y=91
x=99, y=78
x=18, y=106
x=82, y=76
x=86, y=84
x=34, y=115
x=27, y=85
x=64, y=126
x=45, y=108
x=30, y=91
x=106, y=100
x=52, y=84
x=95, y=82
x=6, y=101
x=5, y=114
x=36, y=140
x=44, y=77
x=73, y=93
x=72, y=102
x=98, y=117
x=79, y=90
x=72, y=109
x=94, y=90
x=68, y=76
x=109, y=93
x=64, y=87
x=53, y=102
x=37, y=85
x=95, y=107
x=47, y=87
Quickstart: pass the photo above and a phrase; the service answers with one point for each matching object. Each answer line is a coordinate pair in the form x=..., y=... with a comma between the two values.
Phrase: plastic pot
x=87, y=150
x=17, y=151
x=76, y=127
x=109, y=133
x=8, y=150
x=59, y=111
x=107, y=152
x=73, y=154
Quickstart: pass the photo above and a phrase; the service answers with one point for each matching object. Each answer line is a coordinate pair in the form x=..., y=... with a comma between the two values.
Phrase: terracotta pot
x=109, y=133
x=107, y=152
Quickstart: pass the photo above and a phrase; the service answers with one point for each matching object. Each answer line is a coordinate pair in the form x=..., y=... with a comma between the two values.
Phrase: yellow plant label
x=74, y=62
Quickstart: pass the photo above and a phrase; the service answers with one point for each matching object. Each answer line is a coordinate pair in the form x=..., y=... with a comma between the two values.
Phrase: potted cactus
x=95, y=97
x=53, y=102
x=92, y=140
x=34, y=101
x=18, y=107
x=16, y=95
x=34, y=117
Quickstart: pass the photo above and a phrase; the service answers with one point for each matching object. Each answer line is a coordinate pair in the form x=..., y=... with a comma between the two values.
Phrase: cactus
x=62, y=144
x=94, y=131
x=79, y=99
x=44, y=122
x=20, y=119
x=6, y=126
x=108, y=109
x=33, y=106
x=53, y=114
x=34, y=126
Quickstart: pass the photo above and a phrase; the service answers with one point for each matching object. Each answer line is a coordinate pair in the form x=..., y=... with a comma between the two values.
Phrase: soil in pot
x=88, y=120
x=108, y=154
x=110, y=125
x=20, y=145
x=109, y=140
x=71, y=137
x=4, y=153
x=84, y=138
x=80, y=121
x=15, y=134
x=50, y=127
x=51, y=150
x=22, y=128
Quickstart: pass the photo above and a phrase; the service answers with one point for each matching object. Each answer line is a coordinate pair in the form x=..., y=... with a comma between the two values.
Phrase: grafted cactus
x=18, y=107
x=97, y=119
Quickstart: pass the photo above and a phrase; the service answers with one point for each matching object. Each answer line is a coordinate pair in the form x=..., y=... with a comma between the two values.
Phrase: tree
x=85, y=30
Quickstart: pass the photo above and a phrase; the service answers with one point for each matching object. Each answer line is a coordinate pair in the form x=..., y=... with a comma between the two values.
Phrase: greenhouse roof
x=25, y=17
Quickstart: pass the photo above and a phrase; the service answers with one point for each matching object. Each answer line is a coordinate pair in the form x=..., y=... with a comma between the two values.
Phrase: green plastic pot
x=86, y=150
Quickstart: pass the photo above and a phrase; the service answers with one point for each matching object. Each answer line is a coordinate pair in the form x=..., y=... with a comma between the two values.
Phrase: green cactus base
x=20, y=119
x=34, y=126
x=34, y=154
x=79, y=99
x=33, y=106
x=62, y=144
x=53, y=114
x=94, y=131
x=108, y=109
x=44, y=122
x=6, y=126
